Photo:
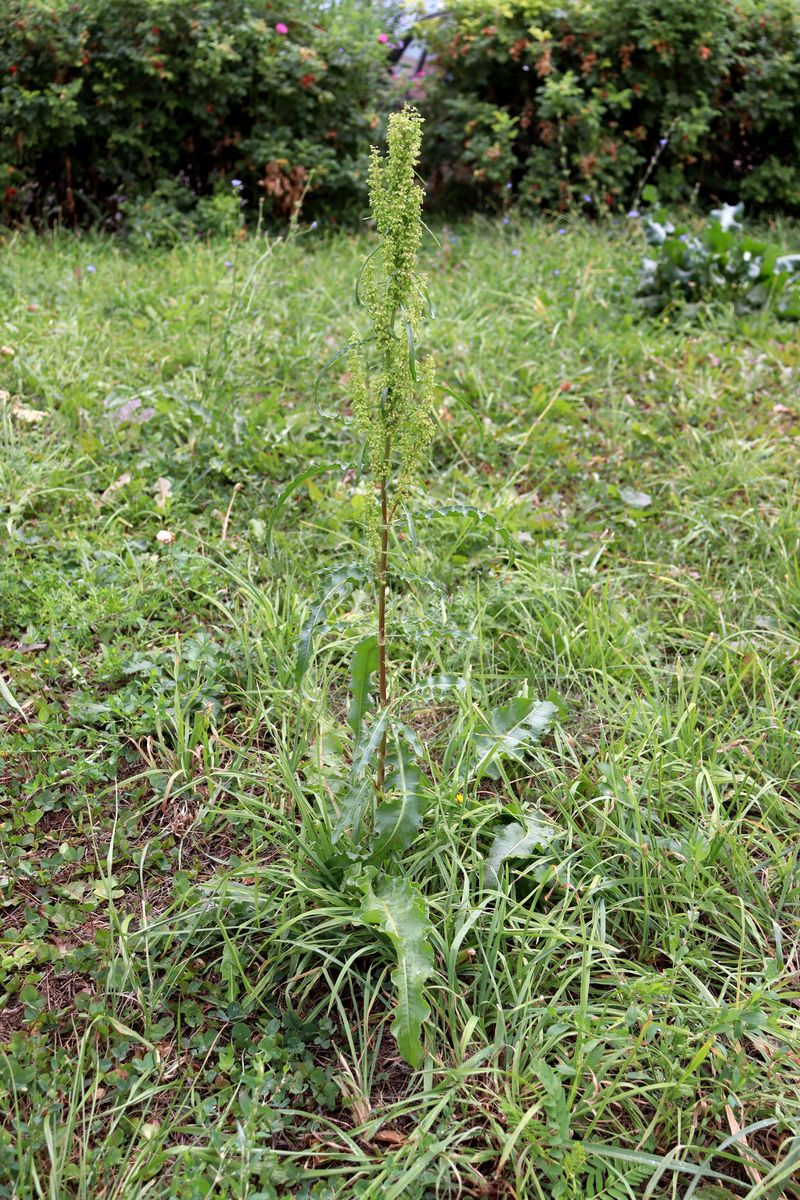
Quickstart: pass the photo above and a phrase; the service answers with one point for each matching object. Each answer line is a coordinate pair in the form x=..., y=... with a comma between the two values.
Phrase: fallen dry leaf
x=124, y=478
x=31, y=416
x=742, y=1146
x=390, y=1137
x=163, y=491
x=7, y=350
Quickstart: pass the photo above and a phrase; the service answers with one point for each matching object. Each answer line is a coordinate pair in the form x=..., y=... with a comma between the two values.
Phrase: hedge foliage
x=582, y=101
x=113, y=111
x=105, y=101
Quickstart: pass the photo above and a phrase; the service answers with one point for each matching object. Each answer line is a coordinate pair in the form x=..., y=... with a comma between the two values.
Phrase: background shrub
x=582, y=102
x=122, y=113
x=109, y=100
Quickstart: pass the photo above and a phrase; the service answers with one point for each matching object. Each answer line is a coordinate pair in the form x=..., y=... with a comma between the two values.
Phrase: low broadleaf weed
x=687, y=266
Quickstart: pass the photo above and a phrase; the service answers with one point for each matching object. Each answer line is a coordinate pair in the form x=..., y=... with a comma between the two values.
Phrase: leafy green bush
x=581, y=101
x=109, y=101
x=721, y=262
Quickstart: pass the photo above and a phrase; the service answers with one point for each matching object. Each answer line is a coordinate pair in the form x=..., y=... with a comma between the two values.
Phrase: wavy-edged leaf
x=397, y=821
x=398, y=573
x=298, y=481
x=518, y=841
x=514, y=729
x=362, y=668
x=352, y=807
x=436, y=686
x=368, y=742
x=478, y=515
x=340, y=583
x=398, y=909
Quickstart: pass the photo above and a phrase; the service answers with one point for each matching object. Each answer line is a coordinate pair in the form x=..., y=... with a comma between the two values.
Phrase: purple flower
x=587, y=199
x=281, y=29
x=314, y=224
x=633, y=214
x=525, y=67
x=506, y=220
x=236, y=183
x=663, y=141
x=683, y=238
x=229, y=264
x=556, y=271
x=516, y=253
x=91, y=268
x=562, y=231
x=383, y=38
x=509, y=186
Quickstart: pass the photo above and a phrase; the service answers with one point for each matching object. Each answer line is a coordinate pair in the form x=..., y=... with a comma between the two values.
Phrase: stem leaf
x=480, y=517
x=298, y=481
x=326, y=366
x=362, y=668
x=369, y=740
x=465, y=404
x=340, y=583
x=412, y=349
x=352, y=807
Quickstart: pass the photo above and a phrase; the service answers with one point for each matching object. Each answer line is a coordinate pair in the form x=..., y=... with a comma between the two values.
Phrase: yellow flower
x=459, y=797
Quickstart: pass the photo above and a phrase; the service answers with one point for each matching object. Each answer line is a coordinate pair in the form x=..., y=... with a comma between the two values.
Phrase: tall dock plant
x=381, y=791
x=393, y=403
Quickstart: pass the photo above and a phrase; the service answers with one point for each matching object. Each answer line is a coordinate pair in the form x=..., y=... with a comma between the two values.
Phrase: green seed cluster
x=393, y=404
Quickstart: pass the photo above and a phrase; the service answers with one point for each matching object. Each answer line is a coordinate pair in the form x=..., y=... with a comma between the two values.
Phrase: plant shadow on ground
x=187, y=1008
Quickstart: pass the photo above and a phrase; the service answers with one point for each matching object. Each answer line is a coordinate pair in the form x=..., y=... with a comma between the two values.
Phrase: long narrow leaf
x=364, y=266
x=352, y=808
x=362, y=668
x=398, y=908
x=368, y=743
x=340, y=583
x=465, y=404
x=298, y=481
x=8, y=696
x=326, y=366
x=412, y=350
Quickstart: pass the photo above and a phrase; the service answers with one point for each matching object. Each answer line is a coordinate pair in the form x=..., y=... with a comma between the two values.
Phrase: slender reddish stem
x=383, y=566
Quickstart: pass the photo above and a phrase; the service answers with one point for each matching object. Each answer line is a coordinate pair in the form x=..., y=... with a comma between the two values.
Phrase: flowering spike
x=395, y=415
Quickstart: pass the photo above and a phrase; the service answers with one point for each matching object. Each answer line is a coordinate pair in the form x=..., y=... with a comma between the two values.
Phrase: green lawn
x=187, y=1006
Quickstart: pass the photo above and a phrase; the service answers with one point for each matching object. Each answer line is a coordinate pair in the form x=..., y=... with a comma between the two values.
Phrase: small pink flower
x=281, y=29
x=383, y=38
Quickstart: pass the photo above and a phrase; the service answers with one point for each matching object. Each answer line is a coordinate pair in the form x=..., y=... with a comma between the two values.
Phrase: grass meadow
x=187, y=1007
